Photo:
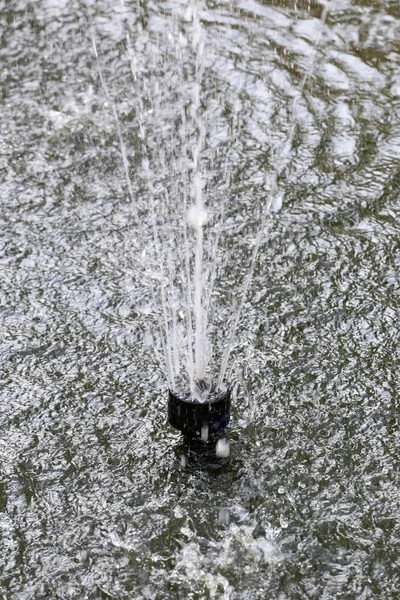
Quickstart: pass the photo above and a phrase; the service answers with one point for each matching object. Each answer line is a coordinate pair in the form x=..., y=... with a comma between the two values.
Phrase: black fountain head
x=201, y=419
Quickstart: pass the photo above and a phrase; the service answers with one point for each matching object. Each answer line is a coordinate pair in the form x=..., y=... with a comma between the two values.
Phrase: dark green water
x=93, y=502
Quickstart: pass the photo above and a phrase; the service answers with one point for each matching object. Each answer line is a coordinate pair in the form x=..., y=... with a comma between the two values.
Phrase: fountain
x=203, y=412
x=200, y=421
x=200, y=410
x=99, y=496
x=182, y=288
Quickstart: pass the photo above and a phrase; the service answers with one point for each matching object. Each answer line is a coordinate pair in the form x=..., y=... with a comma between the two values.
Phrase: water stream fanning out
x=169, y=245
x=196, y=190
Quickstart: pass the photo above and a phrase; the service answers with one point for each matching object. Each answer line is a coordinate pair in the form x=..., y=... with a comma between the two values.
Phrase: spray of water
x=281, y=159
x=193, y=216
x=197, y=213
x=168, y=340
x=117, y=122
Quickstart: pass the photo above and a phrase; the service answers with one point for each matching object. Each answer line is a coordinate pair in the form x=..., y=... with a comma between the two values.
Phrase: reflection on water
x=93, y=501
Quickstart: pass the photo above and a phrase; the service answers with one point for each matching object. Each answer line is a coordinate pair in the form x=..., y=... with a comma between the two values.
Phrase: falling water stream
x=189, y=190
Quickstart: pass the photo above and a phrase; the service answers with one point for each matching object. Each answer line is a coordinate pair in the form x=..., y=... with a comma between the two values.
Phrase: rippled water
x=95, y=501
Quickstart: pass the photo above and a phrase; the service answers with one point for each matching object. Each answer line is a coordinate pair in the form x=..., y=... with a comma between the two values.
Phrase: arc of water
x=183, y=193
x=167, y=357
x=169, y=342
x=190, y=357
x=172, y=291
x=218, y=234
x=249, y=277
x=198, y=293
x=274, y=189
x=173, y=346
x=129, y=47
x=165, y=340
x=198, y=45
x=116, y=118
x=213, y=273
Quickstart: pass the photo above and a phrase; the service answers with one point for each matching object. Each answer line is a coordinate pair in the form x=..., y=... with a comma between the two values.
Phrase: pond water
x=95, y=499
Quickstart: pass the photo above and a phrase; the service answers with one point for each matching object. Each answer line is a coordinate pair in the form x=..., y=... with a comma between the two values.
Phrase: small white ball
x=222, y=448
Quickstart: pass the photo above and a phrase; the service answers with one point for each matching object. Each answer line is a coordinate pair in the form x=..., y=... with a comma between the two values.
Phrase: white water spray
x=282, y=157
x=197, y=214
x=194, y=211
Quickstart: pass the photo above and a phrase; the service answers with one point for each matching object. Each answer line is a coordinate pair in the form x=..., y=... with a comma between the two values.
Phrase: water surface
x=94, y=502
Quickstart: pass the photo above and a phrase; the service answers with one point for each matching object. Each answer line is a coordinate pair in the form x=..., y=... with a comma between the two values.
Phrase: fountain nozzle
x=200, y=421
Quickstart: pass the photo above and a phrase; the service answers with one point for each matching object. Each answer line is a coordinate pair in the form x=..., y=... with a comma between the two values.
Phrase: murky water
x=95, y=501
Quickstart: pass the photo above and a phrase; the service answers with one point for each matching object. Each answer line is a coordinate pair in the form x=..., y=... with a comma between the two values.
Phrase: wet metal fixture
x=200, y=421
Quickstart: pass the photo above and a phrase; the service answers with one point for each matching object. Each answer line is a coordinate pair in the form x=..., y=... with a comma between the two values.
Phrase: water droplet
x=204, y=433
x=277, y=202
x=224, y=516
x=178, y=512
x=197, y=216
x=284, y=524
x=182, y=40
x=222, y=448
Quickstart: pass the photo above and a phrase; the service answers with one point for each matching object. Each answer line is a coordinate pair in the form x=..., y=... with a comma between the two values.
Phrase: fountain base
x=200, y=422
